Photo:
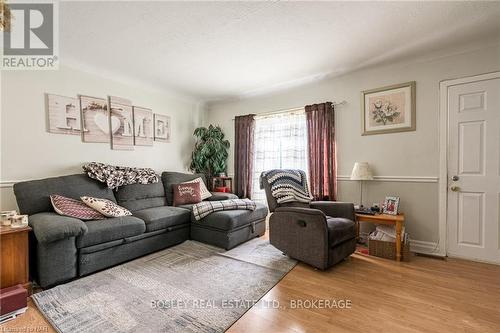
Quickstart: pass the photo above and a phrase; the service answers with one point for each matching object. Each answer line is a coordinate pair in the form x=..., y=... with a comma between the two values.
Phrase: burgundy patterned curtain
x=321, y=149
x=244, y=128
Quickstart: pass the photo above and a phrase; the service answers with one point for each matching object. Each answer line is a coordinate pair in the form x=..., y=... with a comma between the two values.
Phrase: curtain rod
x=299, y=108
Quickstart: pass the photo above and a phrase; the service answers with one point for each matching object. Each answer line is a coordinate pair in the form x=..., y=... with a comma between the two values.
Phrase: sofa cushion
x=157, y=218
x=340, y=230
x=232, y=219
x=187, y=206
x=102, y=231
x=141, y=196
x=34, y=196
x=171, y=178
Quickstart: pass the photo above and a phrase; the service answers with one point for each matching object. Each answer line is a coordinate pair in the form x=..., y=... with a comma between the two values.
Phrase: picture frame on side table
x=391, y=205
x=389, y=109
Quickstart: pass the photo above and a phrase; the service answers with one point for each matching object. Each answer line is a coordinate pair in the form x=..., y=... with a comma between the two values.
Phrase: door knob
x=455, y=188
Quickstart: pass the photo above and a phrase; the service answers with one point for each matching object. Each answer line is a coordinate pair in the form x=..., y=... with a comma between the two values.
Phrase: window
x=280, y=143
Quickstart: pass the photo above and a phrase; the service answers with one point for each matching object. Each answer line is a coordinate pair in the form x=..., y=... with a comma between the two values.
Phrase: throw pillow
x=74, y=208
x=188, y=193
x=205, y=193
x=106, y=207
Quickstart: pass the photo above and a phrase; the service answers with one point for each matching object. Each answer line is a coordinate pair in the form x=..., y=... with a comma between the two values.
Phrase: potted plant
x=210, y=152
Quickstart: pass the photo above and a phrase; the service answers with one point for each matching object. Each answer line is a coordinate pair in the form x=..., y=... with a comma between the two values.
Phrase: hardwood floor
x=423, y=295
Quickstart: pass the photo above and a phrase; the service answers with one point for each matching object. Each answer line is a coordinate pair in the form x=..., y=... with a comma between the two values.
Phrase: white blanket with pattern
x=205, y=208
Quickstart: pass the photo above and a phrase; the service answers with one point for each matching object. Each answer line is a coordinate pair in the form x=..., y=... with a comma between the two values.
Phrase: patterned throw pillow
x=106, y=207
x=188, y=193
x=205, y=193
x=74, y=208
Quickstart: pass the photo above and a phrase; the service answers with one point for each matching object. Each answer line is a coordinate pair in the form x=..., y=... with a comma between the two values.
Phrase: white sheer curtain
x=280, y=143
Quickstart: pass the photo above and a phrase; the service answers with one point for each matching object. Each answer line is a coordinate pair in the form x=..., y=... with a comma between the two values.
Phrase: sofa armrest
x=218, y=196
x=335, y=209
x=50, y=227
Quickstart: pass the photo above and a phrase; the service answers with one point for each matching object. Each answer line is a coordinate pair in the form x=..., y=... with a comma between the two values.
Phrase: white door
x=474, y=170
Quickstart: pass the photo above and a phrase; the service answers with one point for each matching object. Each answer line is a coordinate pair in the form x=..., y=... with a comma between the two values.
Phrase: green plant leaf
x=210, y=151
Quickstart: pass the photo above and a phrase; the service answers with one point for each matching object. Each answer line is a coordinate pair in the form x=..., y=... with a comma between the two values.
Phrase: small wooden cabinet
x=14, y=267
x=222, y=182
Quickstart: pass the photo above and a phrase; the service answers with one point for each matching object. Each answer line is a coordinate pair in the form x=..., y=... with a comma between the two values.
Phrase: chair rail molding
x=407, y=179
x=8, y=183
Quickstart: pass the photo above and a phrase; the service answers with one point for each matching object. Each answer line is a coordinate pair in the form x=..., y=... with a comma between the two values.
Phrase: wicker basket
x=387, y=250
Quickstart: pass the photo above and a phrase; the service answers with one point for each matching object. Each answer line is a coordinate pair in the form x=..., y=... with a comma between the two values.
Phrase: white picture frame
x=391, y=205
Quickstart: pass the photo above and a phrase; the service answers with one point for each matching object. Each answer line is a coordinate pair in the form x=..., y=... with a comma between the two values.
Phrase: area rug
x=191, y=287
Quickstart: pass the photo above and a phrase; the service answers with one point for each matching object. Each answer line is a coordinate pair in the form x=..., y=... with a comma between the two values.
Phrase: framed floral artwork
x=388, y=109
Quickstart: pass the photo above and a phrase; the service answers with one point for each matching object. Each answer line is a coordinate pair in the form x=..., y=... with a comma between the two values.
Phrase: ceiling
x=219, y=50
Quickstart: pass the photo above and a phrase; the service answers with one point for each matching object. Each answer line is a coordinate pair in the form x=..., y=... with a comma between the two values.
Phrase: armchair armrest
x=335, y=209
x=50, y=227
x=217, y=196
x=300, y=210
x=302, y=217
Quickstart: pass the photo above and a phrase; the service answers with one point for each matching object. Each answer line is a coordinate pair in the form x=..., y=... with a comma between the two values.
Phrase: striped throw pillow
x=74, y=208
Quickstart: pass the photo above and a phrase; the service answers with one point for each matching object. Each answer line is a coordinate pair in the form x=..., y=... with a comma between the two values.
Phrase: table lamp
x=361, y=171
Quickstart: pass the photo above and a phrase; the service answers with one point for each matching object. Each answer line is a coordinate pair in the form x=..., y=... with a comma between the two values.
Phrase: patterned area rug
x=191, y=287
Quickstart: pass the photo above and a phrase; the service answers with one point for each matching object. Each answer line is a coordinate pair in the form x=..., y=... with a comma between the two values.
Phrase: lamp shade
x=361, y=171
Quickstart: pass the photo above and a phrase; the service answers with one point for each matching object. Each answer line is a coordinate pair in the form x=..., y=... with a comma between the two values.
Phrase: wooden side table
x=223, y=181
x=14, y=257
x=397, y=220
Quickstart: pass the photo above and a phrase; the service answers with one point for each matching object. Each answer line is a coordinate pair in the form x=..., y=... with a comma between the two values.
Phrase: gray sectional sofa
x=63, y=248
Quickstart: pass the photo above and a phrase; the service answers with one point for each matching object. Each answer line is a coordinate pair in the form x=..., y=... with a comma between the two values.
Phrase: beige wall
x=28, y=151
x=413, y=154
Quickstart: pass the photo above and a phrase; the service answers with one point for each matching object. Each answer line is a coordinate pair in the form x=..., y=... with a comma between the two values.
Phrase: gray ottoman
x=230, y=228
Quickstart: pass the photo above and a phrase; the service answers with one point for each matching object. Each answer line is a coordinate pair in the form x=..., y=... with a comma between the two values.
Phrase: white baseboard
x=431, y=248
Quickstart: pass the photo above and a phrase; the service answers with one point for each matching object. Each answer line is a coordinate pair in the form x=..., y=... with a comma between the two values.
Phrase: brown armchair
x=320, y=234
